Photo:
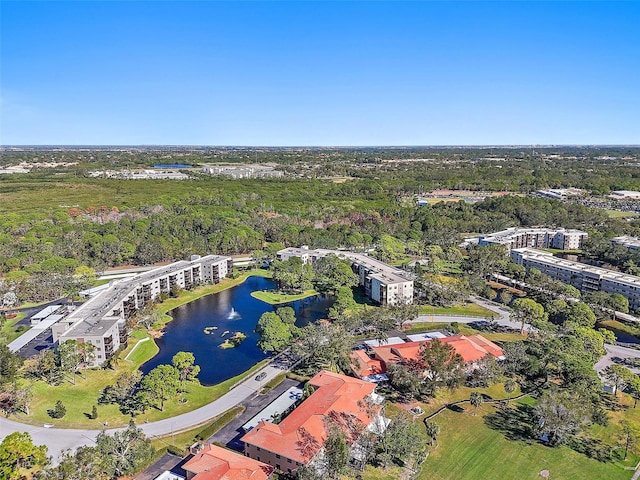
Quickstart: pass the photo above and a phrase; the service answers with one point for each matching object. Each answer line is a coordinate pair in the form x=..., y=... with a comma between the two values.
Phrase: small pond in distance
x=186, y=331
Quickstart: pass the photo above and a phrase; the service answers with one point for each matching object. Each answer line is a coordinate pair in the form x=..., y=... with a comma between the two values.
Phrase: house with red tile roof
x=217, y=463
x=472, y=349
x=347, y=402
x=363, y=365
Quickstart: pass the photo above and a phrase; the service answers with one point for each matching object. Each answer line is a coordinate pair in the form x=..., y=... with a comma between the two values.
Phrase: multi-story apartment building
x=382, y=283
x=515, y=237
x=299, y=439
x=585, y=278
x=632, y=243
x=211, y=462
x=101, y=320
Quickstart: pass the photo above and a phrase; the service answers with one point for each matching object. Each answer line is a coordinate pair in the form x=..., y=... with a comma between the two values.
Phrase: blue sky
x=320, y=73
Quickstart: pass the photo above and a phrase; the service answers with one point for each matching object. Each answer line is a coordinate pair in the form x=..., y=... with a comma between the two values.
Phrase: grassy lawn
x=619, y=214
x=461, y=309
x=469, y=450
x=463, y=329
x=144, y=349
x=276, y=298
x=80, y=398
x=9, y=332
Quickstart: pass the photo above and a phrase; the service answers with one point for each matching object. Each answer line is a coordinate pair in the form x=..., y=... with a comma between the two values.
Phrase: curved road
x=59, y=439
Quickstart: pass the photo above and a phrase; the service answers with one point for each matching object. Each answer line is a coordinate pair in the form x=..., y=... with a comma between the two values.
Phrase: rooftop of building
x=603, y=273
x=94, y=316
x=627, y=241
x=471, y=348
x=513, y=231
x=217, y=463
x=301, y=435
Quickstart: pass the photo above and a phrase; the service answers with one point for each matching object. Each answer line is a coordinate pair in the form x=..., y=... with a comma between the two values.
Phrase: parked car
x=261, y=376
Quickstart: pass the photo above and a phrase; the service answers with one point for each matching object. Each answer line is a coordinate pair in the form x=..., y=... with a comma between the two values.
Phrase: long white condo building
x=585, y=278
x=101, y=320
x=382, y=283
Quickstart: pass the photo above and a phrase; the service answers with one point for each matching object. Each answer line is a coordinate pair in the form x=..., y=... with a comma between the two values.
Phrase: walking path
x=59, y=439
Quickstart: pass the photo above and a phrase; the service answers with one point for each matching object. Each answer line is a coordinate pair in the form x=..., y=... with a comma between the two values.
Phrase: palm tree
x=433, y=429
x=509, y=387
x=476, y=400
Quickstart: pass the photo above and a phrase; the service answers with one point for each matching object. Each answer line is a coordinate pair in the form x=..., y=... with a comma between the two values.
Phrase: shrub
x=58, y=410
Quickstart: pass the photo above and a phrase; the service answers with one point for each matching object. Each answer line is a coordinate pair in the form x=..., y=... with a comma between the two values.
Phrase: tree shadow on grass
x=514, y=423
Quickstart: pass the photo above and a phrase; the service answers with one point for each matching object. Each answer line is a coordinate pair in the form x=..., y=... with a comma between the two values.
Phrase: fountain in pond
x=233, y=315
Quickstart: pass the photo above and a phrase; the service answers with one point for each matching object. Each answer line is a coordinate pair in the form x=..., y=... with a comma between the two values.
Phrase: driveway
x=616, y=351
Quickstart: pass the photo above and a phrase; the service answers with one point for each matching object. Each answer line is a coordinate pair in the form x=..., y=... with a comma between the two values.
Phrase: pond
x=232, y=310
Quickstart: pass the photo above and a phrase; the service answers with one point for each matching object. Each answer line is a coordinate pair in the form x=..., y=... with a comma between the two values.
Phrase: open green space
x=470, y=309
x=9, y=331
x=276, y=298
x=80, y=398
x=463, y=329
x=468, y=450
x=619, y=214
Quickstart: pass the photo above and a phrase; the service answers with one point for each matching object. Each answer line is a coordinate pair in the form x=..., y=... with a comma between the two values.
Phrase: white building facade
x=585, y=278
x=515, y=237
x=101, y=320
x=382, y=283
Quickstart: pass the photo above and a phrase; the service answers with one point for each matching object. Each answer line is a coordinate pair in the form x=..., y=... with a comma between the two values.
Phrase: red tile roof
x=471, y=349
x=217, y=463
x=335, y=393
x=363, y=366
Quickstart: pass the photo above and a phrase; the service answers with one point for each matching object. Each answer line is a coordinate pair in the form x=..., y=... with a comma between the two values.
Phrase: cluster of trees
x=326, y=275
x=401, y=443
x=134, y=393
x=43, y=247
x=122, y=454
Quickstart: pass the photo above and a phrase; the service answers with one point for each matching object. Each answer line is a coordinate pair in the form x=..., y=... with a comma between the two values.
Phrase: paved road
x=59, y=439
x=502, y=316
x=616, y=351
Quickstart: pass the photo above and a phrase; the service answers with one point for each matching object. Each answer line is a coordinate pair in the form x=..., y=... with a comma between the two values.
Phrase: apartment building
x=632, y=243
x=299, y=438
x=101, y=320
x=472, y=349
x=516, y=237
x=585, y=278
x=212, y=462
x=382, y=283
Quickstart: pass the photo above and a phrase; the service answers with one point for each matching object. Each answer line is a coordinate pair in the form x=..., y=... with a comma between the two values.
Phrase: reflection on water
x=232, y=310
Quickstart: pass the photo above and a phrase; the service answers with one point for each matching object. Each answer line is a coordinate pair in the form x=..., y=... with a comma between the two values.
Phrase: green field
x=619, y=214
x=470, y=450
x=492, y=447
x=9, y=332
x=275, y=298
x=470, y=309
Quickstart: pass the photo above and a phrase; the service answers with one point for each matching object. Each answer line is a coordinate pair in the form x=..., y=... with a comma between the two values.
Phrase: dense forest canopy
x=54, y=220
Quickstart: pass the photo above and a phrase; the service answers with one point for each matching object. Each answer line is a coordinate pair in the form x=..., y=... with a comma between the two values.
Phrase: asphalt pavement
x=58, y=440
